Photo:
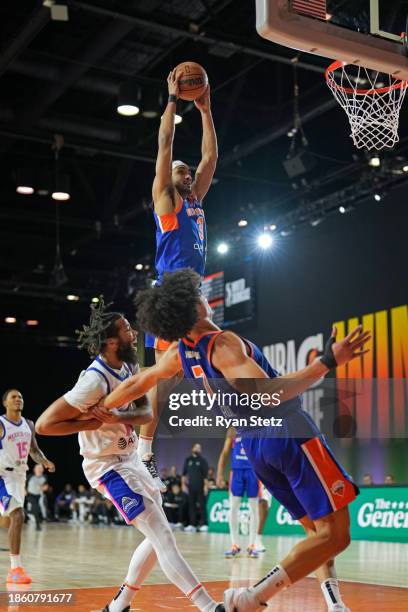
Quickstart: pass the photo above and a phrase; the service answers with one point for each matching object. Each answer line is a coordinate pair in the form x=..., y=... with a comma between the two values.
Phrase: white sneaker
x=190, y=529
x=339, y=608
x=260, y=546
x=203, y=528
x=242, y=600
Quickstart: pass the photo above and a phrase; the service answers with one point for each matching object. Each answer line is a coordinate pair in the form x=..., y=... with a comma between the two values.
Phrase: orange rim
x=399, y=83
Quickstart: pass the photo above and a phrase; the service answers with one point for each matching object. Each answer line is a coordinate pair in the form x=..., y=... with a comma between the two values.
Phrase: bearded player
x=293, y=460
x=17, y=443
x=181, y=235
x=111, y=464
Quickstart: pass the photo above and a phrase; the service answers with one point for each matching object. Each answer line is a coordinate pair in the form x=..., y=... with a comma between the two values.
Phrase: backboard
x=368, y=33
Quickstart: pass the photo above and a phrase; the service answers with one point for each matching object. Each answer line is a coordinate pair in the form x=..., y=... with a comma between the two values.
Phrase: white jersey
x=111, y=438
x=14, y=445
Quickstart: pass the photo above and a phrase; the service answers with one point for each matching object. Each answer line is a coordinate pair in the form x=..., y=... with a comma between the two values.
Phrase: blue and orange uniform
x=243, y=480
x=181, y=242
x=293, y=461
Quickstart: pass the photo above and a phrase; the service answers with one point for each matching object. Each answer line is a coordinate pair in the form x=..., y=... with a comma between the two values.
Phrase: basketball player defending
x=111, y=464
x=293, y=461
x=17, y=442
x=181, y=238
x=243, y=481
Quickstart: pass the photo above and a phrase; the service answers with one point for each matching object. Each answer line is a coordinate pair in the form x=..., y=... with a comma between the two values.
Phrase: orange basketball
x=193, y=81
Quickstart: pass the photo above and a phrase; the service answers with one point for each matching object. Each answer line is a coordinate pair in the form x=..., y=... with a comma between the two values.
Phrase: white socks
x=330, y=589
x=15, y=561
x=235, y=503
x=144, y=446
x=253, y=520
x=275, y=581
x=141, y=564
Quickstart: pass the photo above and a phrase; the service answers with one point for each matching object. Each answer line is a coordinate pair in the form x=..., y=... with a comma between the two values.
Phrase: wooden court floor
x=92, y=561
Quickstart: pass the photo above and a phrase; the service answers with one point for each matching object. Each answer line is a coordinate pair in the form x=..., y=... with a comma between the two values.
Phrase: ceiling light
x=405, y=168
x=374, y=161
x=146, y=267
x=139, y=266
x=377, y=197
x=222, y=248
x=342, y=210
x=242, y=223
x=265, y=241
x=25, y=182
x=61, y=193
x=95, y=300
x=32, y=322
x=272, y=227
x=10, y=320
x=129, y=99
x=128, y=110
x=72, y=298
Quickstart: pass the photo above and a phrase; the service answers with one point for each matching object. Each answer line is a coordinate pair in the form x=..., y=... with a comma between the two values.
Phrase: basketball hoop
x=373, y=112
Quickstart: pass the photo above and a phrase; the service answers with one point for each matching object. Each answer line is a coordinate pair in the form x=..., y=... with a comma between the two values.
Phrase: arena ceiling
x=62, y=78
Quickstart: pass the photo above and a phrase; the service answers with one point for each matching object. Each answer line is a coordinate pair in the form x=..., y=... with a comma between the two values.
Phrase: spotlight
x=32, y=323
x=129, y=98
x=272, y=227
x=342, y=210
x=405, y=168
x=24, y=182
x=264, y=241
x=374, y=161
x=95, y=300
x=222, y=248
x=72, y=298
x=61, y=192
x=377, y=197
x=152, y=101
x=10, y=320
x=139, y=266
x=146, y=267
x=242, y=223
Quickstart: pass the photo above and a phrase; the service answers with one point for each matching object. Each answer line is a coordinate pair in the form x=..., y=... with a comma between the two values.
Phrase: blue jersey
x=239, y=459
x=181, y=238
x=196, y=362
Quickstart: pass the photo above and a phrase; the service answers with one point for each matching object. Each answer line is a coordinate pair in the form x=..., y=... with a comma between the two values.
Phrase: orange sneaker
x=18, y=576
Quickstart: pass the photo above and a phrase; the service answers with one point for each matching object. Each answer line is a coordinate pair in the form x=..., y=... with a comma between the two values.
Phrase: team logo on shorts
x=338, y=488
x=128, y=503
x=122, y=443
x=5, y=500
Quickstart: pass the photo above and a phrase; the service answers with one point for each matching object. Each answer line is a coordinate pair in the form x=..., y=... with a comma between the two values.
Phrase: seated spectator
x=389, y=479
x=175, y=504
x=211, y=478
x=367, y=480
x=64, y=502
x=81, y=506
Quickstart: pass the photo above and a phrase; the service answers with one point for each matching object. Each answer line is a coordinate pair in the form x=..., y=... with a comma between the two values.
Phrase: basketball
x=193, y=82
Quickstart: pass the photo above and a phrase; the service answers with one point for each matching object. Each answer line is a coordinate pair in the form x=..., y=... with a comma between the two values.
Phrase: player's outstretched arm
x=139, y=384
x=231, y=358
x=36, y=453
x=222, y=460
x=62, y=419
x=209, y=148
x=162, y=181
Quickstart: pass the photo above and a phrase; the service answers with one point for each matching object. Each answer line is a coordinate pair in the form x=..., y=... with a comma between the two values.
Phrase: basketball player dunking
x=111, y=464
x=243, y=481
x=181, y=236
x=293, y=461
x=17, y=442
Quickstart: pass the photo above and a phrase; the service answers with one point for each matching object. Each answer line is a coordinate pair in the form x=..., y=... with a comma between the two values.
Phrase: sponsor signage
x=378, y=513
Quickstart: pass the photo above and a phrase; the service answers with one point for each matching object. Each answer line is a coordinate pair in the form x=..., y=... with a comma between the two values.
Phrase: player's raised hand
x=203, y=102
x=352, y=346
x=173, y=82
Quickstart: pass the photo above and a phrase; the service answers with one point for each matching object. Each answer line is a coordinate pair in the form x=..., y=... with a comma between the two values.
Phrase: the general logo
x=338, y=488
x=128, y=503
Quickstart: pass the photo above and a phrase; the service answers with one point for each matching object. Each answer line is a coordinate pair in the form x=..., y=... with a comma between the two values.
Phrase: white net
x=372, y=101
